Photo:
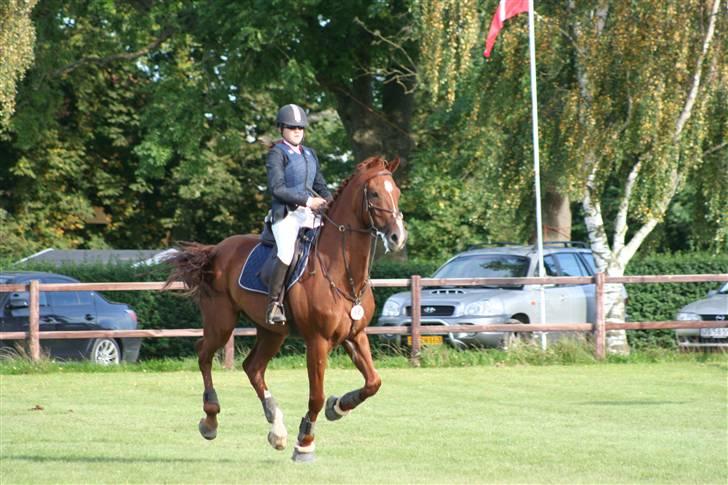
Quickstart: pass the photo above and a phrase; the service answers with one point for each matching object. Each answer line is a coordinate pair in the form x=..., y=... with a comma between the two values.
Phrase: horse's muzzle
x=396, y=237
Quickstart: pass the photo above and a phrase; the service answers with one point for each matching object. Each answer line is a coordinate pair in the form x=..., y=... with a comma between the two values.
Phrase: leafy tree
x=354, y=56
x=158, y=114
x=17, y=36
x=654, y=135
x=632, y=104
x=119, y=113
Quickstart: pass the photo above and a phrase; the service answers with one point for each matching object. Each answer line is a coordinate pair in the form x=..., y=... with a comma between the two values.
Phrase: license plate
x=427, y=340
x=714, y=332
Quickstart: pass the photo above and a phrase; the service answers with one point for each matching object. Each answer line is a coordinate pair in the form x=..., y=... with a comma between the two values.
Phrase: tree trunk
x=615, y=311
x=556, y=216
x=371, y=131
x=607, y=262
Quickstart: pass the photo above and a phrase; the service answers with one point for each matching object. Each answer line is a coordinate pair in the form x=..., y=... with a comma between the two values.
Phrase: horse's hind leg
x=267, y=344
x=360, y=353
x=219, y=321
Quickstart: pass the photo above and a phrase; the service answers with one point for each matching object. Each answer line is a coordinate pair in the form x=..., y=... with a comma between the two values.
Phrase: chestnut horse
x=324, y=306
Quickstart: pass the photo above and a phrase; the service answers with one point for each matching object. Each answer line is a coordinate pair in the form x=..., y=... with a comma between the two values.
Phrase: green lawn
x=608, y=423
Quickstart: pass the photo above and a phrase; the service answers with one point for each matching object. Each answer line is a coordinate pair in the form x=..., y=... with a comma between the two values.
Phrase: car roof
x=8, y=277
x=523, y=250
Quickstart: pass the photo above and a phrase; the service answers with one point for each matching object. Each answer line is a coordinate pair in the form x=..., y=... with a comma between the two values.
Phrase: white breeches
x=286, y=230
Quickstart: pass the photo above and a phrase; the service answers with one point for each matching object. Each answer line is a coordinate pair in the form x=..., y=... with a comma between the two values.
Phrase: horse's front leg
x=317, y=350
x=361, y=354
x=267, y=344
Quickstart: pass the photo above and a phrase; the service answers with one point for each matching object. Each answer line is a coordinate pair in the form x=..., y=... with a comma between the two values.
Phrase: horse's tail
x=192, y=265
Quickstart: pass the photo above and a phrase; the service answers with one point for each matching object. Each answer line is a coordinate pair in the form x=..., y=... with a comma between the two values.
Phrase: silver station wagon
x=482, y=305
x=712, y=308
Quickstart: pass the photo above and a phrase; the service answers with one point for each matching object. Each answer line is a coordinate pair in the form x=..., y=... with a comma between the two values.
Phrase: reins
x=355, y=296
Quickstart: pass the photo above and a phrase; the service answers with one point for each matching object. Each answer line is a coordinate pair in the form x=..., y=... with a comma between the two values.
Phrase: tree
x=356, y=56
x=17, y=36
x=156, y=114
x=632, y=103
x=653, y=135
x=118, y=113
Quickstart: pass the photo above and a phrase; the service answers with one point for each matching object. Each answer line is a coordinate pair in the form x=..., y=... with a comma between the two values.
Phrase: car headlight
x=687, y=316
x=391, y=309
x=484, y=307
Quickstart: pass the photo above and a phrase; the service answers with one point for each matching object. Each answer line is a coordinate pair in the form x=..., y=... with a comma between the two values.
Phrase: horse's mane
x=370, y=163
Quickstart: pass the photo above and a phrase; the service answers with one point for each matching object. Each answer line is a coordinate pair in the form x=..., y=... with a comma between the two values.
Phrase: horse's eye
x=374, y=195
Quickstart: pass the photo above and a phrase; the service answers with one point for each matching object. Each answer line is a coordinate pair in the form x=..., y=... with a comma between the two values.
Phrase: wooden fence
x=415, y=330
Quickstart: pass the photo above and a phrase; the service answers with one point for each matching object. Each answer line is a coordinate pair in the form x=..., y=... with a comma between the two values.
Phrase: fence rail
x=415, y=330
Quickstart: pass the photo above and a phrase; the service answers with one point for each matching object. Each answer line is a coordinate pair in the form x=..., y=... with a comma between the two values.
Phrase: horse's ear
x=392, y=166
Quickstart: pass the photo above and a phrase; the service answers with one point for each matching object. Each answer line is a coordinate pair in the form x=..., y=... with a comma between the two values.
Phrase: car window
x=24, y=295
x=71, y=298
x=485, y=266
x=570, y=265
x=589, y=258
x=549, y=264
x=724, y=289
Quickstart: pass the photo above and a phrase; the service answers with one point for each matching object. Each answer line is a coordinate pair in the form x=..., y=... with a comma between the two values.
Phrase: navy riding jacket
x=292, y=178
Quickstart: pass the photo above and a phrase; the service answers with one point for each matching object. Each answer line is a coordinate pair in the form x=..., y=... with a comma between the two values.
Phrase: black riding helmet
x=291, y=115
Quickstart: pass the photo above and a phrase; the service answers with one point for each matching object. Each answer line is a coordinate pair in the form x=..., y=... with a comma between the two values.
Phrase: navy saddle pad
x=249, y=276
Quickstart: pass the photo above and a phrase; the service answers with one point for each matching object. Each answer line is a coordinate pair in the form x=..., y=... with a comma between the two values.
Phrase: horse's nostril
x=394, y=237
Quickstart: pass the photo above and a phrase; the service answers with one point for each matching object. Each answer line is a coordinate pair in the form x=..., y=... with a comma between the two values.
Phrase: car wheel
x=513, y=340
x=105, y=351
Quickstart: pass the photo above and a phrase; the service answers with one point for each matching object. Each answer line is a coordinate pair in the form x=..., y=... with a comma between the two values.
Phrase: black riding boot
x=276, y=314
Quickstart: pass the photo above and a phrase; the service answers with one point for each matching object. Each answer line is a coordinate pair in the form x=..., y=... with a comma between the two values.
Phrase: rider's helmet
x=291, y=115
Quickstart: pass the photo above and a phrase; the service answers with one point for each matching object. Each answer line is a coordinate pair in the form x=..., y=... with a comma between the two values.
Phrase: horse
x=330, y=305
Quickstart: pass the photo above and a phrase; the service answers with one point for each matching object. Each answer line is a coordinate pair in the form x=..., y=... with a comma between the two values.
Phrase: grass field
x=610, y=423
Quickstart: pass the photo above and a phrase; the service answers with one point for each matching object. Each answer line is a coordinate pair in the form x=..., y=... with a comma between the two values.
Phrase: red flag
x=506, y=10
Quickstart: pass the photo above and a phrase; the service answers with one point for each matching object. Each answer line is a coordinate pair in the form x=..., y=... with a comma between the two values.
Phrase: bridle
x=368, y=206
x=368, y=202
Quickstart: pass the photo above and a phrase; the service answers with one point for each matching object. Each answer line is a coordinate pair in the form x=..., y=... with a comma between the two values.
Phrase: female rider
x=298, y=189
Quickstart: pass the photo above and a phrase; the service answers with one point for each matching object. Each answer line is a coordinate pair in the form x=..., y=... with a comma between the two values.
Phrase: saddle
x=256, y=273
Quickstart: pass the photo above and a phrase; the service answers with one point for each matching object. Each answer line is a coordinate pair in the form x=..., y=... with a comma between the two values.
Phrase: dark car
x=69, y=310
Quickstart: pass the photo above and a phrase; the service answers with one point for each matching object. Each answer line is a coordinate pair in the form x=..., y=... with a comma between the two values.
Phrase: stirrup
x=276, y=314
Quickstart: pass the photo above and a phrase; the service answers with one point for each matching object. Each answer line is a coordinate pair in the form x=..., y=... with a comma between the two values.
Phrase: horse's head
x=379, y=201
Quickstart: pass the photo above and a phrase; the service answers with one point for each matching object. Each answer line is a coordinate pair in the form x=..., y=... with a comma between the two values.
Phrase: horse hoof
x=299, y=457
x=207, y=432
x=332, y=413
x=277, y=442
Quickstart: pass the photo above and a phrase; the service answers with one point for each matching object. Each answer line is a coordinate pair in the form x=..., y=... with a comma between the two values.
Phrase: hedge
x=655, y=302
x=159, y=310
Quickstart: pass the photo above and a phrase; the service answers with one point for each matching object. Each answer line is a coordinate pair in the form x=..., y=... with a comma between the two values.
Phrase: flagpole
x=536, y=161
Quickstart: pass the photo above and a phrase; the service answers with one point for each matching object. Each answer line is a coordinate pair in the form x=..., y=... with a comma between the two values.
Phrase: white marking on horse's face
x=389, y=187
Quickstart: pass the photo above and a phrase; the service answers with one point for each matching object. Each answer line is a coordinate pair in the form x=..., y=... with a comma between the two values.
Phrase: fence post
x=600, y=335
x=229, y=360
x=415, y=326
x=34, y=320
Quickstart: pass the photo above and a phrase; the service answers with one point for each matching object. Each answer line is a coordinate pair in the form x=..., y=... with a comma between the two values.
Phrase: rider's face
x=293, y=134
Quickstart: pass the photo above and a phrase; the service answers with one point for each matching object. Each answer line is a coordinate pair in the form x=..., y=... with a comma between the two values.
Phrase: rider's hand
x=316, y=203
